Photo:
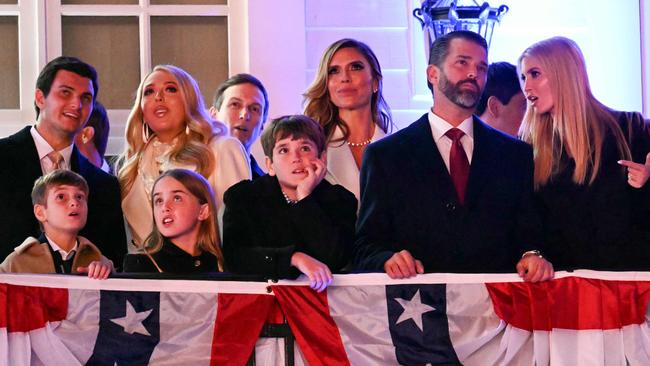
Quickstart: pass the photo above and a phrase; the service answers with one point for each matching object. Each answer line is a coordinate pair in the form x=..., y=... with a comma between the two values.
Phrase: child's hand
x=318, y=273
x=315, y=173
x=97, y=270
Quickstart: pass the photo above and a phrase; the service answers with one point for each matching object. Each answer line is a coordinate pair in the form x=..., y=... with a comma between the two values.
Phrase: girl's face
x=350, y=83
x=177, y=212
x=163, y=105
x=535, y=83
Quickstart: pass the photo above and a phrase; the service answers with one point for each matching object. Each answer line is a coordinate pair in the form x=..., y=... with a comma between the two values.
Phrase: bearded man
x=449, y=193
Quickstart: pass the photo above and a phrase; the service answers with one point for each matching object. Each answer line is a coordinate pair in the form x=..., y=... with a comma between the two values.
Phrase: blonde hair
x=190, y=149
x=578, y=123
x=318, y=104
x=198, y=186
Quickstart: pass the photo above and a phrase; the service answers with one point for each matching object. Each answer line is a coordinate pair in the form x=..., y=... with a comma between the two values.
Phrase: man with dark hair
x=243, y=104
x=93, y=139
x=502, y=104
x=449, y=193
x=66, y=89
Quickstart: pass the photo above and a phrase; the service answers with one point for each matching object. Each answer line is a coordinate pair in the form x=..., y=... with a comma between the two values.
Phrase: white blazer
x=341, y=168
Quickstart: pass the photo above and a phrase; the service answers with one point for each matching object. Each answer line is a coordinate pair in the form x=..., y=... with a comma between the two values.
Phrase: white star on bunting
x=132, y=321
x=413, y=309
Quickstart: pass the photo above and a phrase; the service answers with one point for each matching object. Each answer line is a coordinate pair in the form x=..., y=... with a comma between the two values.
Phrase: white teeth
x=70, y=115
x=167, y=220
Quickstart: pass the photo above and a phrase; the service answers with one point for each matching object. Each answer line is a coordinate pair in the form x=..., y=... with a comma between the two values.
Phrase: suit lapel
x=426, y=156
x=482, y=158
x=26, y=152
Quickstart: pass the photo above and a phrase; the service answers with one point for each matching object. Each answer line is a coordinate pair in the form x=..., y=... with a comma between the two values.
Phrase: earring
x=84, y=139
x=187, y=129
x=146, y=133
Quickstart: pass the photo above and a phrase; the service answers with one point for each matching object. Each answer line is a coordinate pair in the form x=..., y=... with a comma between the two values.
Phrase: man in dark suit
x=66, y=89
x=242, y=103
x=449, y=193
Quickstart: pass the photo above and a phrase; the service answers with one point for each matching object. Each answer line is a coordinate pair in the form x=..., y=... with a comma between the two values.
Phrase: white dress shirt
x=438, y=129
x=43, y=148
x=64, y=255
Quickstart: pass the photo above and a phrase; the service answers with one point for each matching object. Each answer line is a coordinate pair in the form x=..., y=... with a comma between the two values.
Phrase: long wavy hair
x=191, y=147
x=198, y=186
x=319, y=106
x=579, y=122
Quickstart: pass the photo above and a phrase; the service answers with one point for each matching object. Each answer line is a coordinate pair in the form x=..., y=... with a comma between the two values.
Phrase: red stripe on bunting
x=240, y=318
x=308, y=315
x=571, y=303
x=25, y=308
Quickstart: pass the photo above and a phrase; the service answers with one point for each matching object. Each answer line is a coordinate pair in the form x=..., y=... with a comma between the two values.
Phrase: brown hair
x=297, y=126
x=319, y=106
x=55, y=178
x=208, y=239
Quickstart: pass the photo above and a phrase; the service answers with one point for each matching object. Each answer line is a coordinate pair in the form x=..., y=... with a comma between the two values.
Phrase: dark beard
x=466, y=99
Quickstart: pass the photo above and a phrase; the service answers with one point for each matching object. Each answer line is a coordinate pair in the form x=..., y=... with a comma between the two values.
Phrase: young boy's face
x=66, y=209
x=290, y=158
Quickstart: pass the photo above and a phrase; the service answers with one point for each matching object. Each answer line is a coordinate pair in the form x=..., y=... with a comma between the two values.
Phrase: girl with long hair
x=185, y=238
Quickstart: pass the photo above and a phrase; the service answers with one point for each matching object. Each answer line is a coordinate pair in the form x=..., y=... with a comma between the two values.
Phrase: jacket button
x=450, y=207
x=268, y=258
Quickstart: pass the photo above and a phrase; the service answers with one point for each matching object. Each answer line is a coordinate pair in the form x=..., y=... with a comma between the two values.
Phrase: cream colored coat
x=231, y=166
x=341, y=167
x=34, y=257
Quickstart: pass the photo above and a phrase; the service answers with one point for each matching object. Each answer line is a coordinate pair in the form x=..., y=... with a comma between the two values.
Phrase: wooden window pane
x=4, y=2
x=197, y=44
x=98, y=2
x=189, y=2
x=112, y=46
x=9, y=70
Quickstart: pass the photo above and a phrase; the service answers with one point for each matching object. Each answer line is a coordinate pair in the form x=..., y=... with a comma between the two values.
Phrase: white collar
x=64, y=255
x=44, y=148
x=439, y=126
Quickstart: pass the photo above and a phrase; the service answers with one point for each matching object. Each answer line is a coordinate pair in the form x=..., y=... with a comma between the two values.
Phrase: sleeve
x=325, y=221
x=243, y=253
x=232, y=166
x=528, y=229
x=375, y=225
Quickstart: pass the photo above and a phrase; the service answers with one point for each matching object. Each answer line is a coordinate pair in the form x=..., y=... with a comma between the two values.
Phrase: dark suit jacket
x=261, y=231
x=408, y=202
x=21, y=167
x=604, y=225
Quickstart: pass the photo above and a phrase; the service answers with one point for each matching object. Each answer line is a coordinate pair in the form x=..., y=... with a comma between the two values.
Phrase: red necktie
x=458, y=163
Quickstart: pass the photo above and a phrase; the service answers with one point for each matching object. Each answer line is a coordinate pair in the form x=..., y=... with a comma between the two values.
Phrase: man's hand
x=315, y=173
x=534, y=268
x=637, y=174
x=319, y=275
x=403, y=265
x=97, y=270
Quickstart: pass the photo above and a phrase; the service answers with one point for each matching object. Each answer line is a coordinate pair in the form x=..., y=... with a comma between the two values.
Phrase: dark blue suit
x=21, y=167
x=408, y=202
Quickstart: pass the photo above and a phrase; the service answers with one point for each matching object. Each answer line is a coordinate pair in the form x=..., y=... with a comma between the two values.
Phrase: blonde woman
x=169, y=128
x=593, y=217
x=346, y=99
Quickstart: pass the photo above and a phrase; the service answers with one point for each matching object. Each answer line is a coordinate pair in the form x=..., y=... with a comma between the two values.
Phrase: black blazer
x=261, y=231
x=408, y=202
x=604, y=225
x=21, y=167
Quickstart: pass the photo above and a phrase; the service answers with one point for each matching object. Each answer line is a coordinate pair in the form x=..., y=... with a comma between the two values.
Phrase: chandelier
x=440, y=17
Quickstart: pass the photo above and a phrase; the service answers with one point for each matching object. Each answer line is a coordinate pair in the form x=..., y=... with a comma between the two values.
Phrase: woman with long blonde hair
x=346, y=99
x=168, y=127
x=592, y=217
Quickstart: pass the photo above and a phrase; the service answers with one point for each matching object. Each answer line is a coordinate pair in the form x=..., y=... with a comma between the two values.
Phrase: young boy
x=60, y=201
x=290, y=220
